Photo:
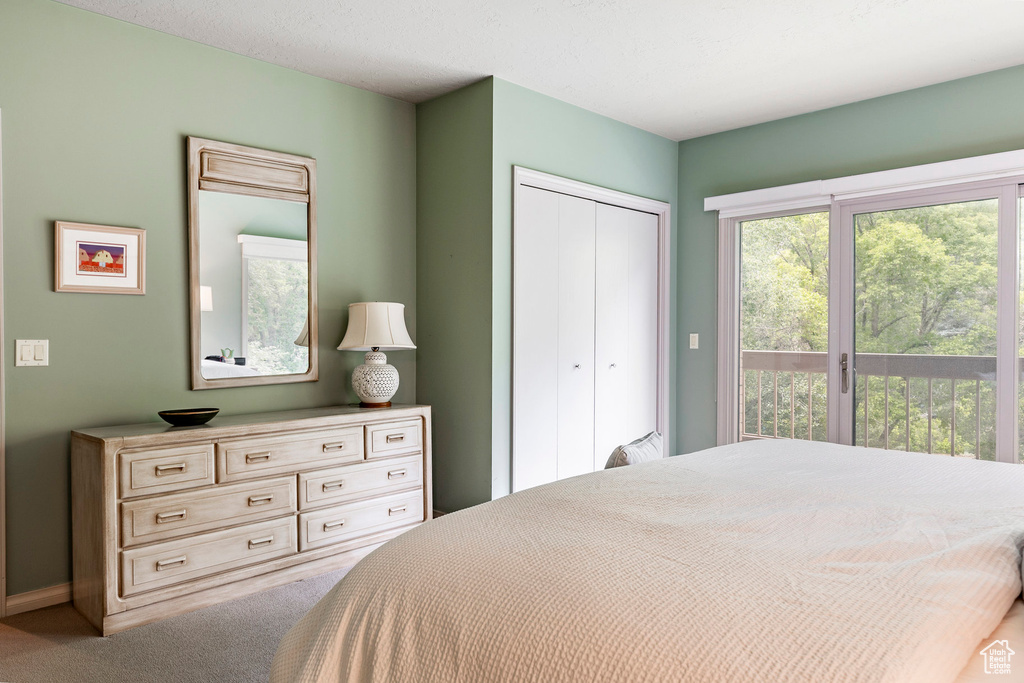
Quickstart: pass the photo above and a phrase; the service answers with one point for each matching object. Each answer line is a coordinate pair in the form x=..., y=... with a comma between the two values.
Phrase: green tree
x=277, y=309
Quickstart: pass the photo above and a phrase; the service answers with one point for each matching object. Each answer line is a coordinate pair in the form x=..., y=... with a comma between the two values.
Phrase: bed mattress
x=764, y=561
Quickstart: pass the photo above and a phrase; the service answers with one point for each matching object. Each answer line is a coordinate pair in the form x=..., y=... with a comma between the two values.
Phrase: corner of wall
x=453, y=246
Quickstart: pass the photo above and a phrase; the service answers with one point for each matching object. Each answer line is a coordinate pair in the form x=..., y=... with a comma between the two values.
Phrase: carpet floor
x=234, y=641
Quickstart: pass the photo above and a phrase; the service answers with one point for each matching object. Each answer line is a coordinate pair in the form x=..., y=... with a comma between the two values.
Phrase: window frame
x=998, y=176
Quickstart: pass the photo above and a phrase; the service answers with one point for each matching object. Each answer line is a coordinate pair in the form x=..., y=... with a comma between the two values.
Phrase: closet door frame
x=3, y=407
x=545, y=181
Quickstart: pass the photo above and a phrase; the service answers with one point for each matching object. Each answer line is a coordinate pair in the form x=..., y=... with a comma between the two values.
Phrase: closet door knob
x=611, y=366
x=577, y=366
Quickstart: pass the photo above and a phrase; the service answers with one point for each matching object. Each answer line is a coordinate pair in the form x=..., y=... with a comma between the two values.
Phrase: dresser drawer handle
x=391, y=438
x=164, y=517
x=176, y=468
x=173, y=562
x=261, y=500
x=396, y=474
x=260, y=542
x=331, y=526
x=333, y=485
x=328, y=447
x=250, y=458
x=397, y=510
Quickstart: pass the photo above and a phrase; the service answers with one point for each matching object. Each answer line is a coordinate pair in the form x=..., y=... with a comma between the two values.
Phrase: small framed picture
x=100, y=259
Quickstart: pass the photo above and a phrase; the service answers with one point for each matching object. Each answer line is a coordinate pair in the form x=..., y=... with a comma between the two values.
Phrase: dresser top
x=230, y=425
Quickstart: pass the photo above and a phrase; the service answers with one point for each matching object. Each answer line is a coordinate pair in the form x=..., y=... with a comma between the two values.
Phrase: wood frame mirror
x=222, y=171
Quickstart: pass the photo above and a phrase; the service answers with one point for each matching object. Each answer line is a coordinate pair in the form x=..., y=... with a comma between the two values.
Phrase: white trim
x=545, y=181
x=38, y=599
x=1007, y=309
x=818, y=192
x=727, y=397
x=840, y=328
x=554, y=183
x=3, y=416
x=279, y=248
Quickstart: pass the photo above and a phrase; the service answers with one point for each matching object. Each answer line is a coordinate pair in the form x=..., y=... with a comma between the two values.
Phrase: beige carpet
x=223, y=644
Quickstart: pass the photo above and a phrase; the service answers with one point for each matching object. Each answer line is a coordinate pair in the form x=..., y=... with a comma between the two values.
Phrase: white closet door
x=535, y=339
x=643, y=323
x=626, y=326
x=576, y=253
x=611, y=351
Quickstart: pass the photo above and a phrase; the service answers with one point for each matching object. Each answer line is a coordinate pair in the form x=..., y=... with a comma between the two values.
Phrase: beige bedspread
x=766, y=561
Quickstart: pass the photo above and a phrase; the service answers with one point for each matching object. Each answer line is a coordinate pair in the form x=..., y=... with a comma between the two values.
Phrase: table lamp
x=373, y=326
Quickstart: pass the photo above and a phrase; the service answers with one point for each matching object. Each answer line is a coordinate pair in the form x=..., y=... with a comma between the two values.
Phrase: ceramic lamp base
x=375, y=382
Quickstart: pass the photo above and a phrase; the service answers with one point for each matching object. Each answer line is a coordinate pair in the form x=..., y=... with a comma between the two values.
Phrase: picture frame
x=99, y=259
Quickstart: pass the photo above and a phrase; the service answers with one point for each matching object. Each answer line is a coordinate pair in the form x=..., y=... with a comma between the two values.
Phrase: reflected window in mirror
x=252, y=229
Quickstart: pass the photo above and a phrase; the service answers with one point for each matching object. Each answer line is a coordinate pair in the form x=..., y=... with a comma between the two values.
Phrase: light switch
x=693, y=341
x=32, y=352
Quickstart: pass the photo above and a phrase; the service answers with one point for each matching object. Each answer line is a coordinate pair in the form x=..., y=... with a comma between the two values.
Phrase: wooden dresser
x=170, y=519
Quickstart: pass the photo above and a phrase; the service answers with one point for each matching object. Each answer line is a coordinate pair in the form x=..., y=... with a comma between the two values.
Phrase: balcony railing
x=908, y=402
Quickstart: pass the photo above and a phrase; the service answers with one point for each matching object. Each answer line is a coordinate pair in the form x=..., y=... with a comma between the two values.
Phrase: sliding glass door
x=927, y=324
x=889, y=321
x=924, y=328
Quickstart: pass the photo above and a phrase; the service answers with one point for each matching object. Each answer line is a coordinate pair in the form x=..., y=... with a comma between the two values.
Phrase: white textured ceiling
x=680, y=68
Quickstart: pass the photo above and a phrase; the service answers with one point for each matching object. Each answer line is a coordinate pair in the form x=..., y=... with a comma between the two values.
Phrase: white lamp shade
x=376, y=324
x=205, y=298
x=303, y=338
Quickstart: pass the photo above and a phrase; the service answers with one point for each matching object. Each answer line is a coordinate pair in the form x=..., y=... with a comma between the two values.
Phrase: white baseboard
x=37, y=599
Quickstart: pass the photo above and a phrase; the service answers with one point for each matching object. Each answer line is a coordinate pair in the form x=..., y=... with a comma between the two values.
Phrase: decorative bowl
x=188, y=417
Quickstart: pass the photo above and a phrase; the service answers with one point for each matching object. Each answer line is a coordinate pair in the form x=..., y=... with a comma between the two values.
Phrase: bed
x=762, y=561
x=213, y=369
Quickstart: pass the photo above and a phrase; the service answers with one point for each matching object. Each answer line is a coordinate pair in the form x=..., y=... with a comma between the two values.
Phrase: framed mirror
x=252, y=265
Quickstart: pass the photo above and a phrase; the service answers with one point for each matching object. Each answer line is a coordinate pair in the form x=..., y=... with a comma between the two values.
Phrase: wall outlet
x=693, y=341
x=32, y=352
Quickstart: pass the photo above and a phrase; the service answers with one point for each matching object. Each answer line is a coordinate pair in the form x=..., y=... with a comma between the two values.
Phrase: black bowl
x=188, y=417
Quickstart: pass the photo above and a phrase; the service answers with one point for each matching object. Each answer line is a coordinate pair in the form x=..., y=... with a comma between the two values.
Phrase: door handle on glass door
x=844, y=372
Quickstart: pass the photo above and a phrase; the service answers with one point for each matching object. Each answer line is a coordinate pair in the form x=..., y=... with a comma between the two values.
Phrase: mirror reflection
x=253, y=279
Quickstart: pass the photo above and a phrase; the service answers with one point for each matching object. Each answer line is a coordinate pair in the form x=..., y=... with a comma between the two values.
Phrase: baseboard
x=438, y=513
x=38, y=599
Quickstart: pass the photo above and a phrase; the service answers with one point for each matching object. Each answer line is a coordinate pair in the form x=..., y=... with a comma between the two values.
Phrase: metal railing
x=935, y=411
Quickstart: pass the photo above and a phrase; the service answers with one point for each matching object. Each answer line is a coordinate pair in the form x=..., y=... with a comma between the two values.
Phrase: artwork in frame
x=99, y=259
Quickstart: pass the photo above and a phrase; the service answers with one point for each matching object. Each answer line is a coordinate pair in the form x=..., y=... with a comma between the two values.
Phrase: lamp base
x=364, y=404
x=375, y=382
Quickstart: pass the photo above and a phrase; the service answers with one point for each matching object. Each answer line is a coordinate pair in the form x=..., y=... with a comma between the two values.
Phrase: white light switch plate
x=32, y=352
x=693, y=341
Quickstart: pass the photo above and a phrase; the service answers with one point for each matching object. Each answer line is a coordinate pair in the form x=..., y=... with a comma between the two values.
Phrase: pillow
x=643, y=449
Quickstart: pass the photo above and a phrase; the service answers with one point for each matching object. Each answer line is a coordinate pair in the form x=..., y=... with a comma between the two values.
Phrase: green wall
x=544, y=134
x=453, y=277
x=95, y=114
x=967, y=117
x=468, y=142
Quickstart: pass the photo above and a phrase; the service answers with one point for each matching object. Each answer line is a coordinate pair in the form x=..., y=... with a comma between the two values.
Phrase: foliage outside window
x=276, y=302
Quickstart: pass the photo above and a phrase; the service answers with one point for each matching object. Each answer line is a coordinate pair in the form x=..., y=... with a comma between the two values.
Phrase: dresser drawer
x=171, y=516
x=142, y=473
x=172, y=562
x=352, y=482
x=258, y=457
x=345, y=522
x=394, y=438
